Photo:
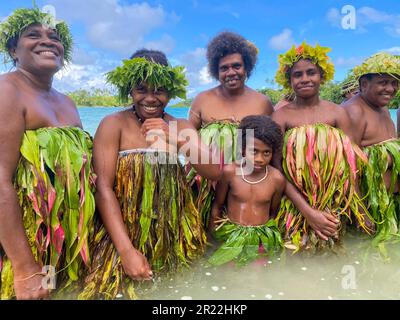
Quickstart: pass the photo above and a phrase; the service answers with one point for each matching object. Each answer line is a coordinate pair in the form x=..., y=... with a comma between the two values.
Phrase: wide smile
x=387, y=96
x=150, y=109
x=232, y=81
x=47, y=53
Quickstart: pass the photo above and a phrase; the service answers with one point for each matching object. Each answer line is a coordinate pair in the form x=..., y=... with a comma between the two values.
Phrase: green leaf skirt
x=55, y=183
x=322, y=163
x=161, y=219
x=383, y=202
x=244, y=244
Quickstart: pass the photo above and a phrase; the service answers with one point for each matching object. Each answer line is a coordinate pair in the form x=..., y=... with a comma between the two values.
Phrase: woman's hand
x=28, y=284
x=136, y=265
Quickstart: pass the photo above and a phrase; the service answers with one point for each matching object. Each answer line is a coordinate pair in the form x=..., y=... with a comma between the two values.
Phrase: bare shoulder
x=202, y=97
x=277, y=176
x=8, y=88
x=263, y=101
x=65, y=99
x=280, y=115
x=329, y=105
x=113, y=121
x=229, y=171
x=354, y=107
x=333, y=108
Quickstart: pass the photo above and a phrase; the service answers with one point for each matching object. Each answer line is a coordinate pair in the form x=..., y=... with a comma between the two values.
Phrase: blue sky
x=107, y=31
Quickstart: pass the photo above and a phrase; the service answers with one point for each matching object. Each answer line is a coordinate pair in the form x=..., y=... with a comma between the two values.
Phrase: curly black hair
x=152, y=55
x=226, y=43
x=265, y=129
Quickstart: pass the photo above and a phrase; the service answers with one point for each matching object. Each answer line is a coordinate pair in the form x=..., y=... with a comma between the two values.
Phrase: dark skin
x=308, y=109
x=398, y=123
x=369, y=114
x=249, y=204
x=124, y=131
x=28, y=102
x=232, y=99
x=351, y=94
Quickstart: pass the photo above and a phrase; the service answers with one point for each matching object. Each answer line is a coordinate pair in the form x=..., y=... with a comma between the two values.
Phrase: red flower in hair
x=299, y=50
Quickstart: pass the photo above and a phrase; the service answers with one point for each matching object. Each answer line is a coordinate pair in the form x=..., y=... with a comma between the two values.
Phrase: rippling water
x=357, y=272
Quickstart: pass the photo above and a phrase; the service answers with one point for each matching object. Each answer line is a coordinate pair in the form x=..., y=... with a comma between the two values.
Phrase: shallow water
x=91, y=116
x=357, y=273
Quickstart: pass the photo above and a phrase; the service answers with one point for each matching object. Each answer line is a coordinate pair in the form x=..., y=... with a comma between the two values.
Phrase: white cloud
x=83, y=57
x=393, y=50
x=75, y=77
x=371, y=15
x=366, y=16
x=166, y=44
x=204, y=76
x=282, y=41
x=197, y=73
x=334, y=17
x=348, y=62
x=120, y=28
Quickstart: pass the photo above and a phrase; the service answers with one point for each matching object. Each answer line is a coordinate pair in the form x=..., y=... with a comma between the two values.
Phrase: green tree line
x=94, y=97
x=330, y=91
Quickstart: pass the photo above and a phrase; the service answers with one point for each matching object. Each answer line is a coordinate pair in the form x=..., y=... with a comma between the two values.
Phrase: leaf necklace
x=252, y=182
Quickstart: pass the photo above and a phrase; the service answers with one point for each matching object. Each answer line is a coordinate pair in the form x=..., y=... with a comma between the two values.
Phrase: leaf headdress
x=317, y=55
x=20, y=19
x=140, y=70
x=380, y=63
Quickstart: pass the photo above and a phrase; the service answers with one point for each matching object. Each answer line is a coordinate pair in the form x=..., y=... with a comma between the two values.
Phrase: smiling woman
x=21, y=19
x=155, y=226
x=46, y=181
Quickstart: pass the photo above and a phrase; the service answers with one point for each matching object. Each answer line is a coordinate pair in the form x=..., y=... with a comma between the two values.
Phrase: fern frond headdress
x=13, y=26
x=140, y=70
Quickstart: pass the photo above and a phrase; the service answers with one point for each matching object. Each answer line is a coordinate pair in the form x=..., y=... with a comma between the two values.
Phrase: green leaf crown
x=380, y=63
x=21, y=19
x=140, y=70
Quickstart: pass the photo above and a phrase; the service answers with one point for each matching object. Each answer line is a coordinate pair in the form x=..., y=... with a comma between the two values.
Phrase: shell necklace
x=252, y=182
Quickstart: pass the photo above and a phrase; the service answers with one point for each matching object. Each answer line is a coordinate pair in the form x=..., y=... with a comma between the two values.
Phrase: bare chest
x=306, y=117
x=234, y=111
x=379, y=127
x=40, y=112
x=258, y=193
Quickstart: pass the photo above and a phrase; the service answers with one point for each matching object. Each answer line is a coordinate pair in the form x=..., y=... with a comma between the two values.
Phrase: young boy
x=252, y=198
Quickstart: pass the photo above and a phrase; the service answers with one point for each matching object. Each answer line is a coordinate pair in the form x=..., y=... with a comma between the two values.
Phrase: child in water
x=252, y=197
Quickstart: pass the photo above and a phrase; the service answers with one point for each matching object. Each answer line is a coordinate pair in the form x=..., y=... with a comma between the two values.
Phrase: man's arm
x=105, y=157
x=203, y=158
x=195, y=113
x=280, y=183
x=268, y=108
x=185, y=141
x=12, y=233
x=357, y=122
x=221, y=192
x=348, y=126
x=398, y=122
